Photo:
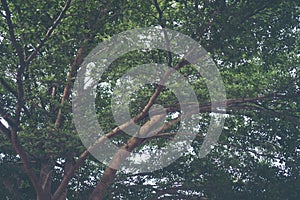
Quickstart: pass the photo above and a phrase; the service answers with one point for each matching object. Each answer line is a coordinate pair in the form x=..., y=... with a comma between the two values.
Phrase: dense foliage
x=255, y=45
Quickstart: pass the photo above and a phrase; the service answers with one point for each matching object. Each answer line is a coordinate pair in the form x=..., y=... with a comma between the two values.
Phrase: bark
x=43, y=196
x=46, y=180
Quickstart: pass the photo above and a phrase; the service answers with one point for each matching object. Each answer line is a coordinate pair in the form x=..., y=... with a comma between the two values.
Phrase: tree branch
x=12, y=34
x=12, y=90
x=4, y=130
x=26, y=163
x=49, y=32
x=110, y=171
x=247, y=149
x=8, y=87
x=258, y=10
x=8, y=118
x=69, y=83
x=163, y=25
x=203, y=108
x=21, y=68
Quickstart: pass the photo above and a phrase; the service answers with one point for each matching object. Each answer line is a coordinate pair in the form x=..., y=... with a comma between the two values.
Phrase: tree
x=255, y=45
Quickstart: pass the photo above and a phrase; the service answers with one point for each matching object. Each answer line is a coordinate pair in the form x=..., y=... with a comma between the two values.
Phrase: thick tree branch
x=110, y=171
x=69, y=173
x=171, y=108
x=49, y=32
x=230, y=103
x=79, y=162
x=26, y=163
x=69, y=83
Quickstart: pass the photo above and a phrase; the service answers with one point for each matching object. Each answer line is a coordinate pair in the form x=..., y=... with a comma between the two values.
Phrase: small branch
x=8, y=118
x=163, y=135
x=12, y=34
x=8, y=87
x=49, y=32
x=12, y=90
x=284, y=114
x=208, y=25
x=175, y=193
x=247, y=149
x=160, y=13
x=258, y=10
x=5, y=130
x=163, y=25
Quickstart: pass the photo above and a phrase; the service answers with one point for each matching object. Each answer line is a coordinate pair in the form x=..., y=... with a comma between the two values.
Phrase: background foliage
x=255, y=45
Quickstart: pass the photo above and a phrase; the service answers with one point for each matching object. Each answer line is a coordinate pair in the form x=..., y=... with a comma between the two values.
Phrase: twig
x=163, y=25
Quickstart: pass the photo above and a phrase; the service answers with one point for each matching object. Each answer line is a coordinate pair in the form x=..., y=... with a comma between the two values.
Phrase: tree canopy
x=255, y=46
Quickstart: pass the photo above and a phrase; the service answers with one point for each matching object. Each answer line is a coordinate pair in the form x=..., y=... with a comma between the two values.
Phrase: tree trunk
x=43, y=196
x=101, y=188
x=45, y=181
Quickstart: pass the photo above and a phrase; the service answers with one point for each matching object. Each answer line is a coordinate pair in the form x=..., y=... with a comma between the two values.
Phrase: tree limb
x=163, y=25
x=110, y=171
x=26, y=163
x=8, y=87
x=69, y=83
x=8, y=118
x=49, y=32
x=12, y=34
